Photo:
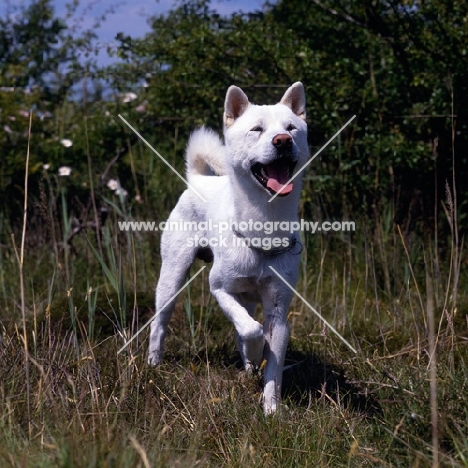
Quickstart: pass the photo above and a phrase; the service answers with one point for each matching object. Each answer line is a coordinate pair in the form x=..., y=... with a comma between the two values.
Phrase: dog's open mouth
x=275, y=175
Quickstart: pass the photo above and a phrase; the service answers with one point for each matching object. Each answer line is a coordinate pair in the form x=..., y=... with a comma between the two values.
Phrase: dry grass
x=92, y=407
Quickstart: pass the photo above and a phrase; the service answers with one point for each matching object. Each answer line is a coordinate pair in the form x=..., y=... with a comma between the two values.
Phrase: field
x=68, y=398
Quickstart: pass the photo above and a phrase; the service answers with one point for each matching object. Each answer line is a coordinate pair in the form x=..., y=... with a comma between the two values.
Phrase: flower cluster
x=115, y=186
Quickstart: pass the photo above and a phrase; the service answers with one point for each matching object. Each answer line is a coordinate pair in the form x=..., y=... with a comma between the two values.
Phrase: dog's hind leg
x=174, y=271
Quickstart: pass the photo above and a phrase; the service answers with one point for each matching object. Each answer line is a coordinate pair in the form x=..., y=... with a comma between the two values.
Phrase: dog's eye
x=257, y=129
x=290, y=128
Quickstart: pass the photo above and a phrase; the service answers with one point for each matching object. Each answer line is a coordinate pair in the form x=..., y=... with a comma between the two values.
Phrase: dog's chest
x=246, y=287
x=242, y=284
x=250, y=287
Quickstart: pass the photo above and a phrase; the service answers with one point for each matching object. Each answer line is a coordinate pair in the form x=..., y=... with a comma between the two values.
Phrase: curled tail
x=205, y=154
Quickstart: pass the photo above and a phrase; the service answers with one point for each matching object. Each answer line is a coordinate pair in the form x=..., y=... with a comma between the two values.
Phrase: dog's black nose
x=282, y=141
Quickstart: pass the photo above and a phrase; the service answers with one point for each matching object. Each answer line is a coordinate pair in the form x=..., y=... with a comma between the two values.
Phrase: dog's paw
x=270, y=410
x=271, y=397
x=270, y=404
x=154, y=358
x=253, y=343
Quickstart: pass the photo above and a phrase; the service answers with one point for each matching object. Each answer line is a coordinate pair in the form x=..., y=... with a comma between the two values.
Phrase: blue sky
x=129, y=17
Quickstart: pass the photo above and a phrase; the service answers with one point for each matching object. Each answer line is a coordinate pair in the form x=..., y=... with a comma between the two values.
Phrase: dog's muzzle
x=275, y=175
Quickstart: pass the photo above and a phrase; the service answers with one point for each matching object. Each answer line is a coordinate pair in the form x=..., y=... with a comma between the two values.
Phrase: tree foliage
x=399, y=65
x=39, y=66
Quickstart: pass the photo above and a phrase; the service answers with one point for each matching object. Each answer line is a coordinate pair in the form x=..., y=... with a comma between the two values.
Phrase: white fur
x=205, y=154
x=240, y=276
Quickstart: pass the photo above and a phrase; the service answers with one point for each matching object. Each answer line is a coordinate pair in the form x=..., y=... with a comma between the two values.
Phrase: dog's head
x=267, y=142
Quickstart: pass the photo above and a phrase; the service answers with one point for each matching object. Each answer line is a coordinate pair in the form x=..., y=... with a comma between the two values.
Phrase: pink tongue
x=277, y=180
x=276, y=186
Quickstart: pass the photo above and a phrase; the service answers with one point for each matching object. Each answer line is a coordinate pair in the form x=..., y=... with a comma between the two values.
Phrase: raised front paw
x=252, y=344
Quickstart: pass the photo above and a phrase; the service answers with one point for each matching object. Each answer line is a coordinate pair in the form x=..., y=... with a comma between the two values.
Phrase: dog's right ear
x=235, y=105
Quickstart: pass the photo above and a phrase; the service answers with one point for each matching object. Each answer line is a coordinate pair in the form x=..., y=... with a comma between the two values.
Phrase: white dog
x=263, y=146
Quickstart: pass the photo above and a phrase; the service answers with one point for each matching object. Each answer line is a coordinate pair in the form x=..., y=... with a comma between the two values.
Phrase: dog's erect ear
x=295, y=99
x=235, y=105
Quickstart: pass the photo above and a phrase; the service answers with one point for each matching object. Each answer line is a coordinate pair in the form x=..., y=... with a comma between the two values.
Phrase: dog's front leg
x=250, y=336
x=276, y=330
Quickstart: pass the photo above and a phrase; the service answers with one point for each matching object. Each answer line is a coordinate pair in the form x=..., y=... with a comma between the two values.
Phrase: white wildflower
x=64, y=171
x=7, y=129
x=129, y=97
x=113, y=184
x=141, y=109
x=46, y=167
x=66, y=142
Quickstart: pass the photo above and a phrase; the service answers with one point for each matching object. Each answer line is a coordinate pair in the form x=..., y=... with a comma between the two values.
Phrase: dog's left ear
x=295, y=99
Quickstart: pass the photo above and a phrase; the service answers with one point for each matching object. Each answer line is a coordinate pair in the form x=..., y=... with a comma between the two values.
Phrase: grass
x=68, y=399
x=92, y=407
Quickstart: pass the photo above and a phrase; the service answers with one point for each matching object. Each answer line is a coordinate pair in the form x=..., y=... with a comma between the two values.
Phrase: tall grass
x=20, y=258
x=199, y=408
